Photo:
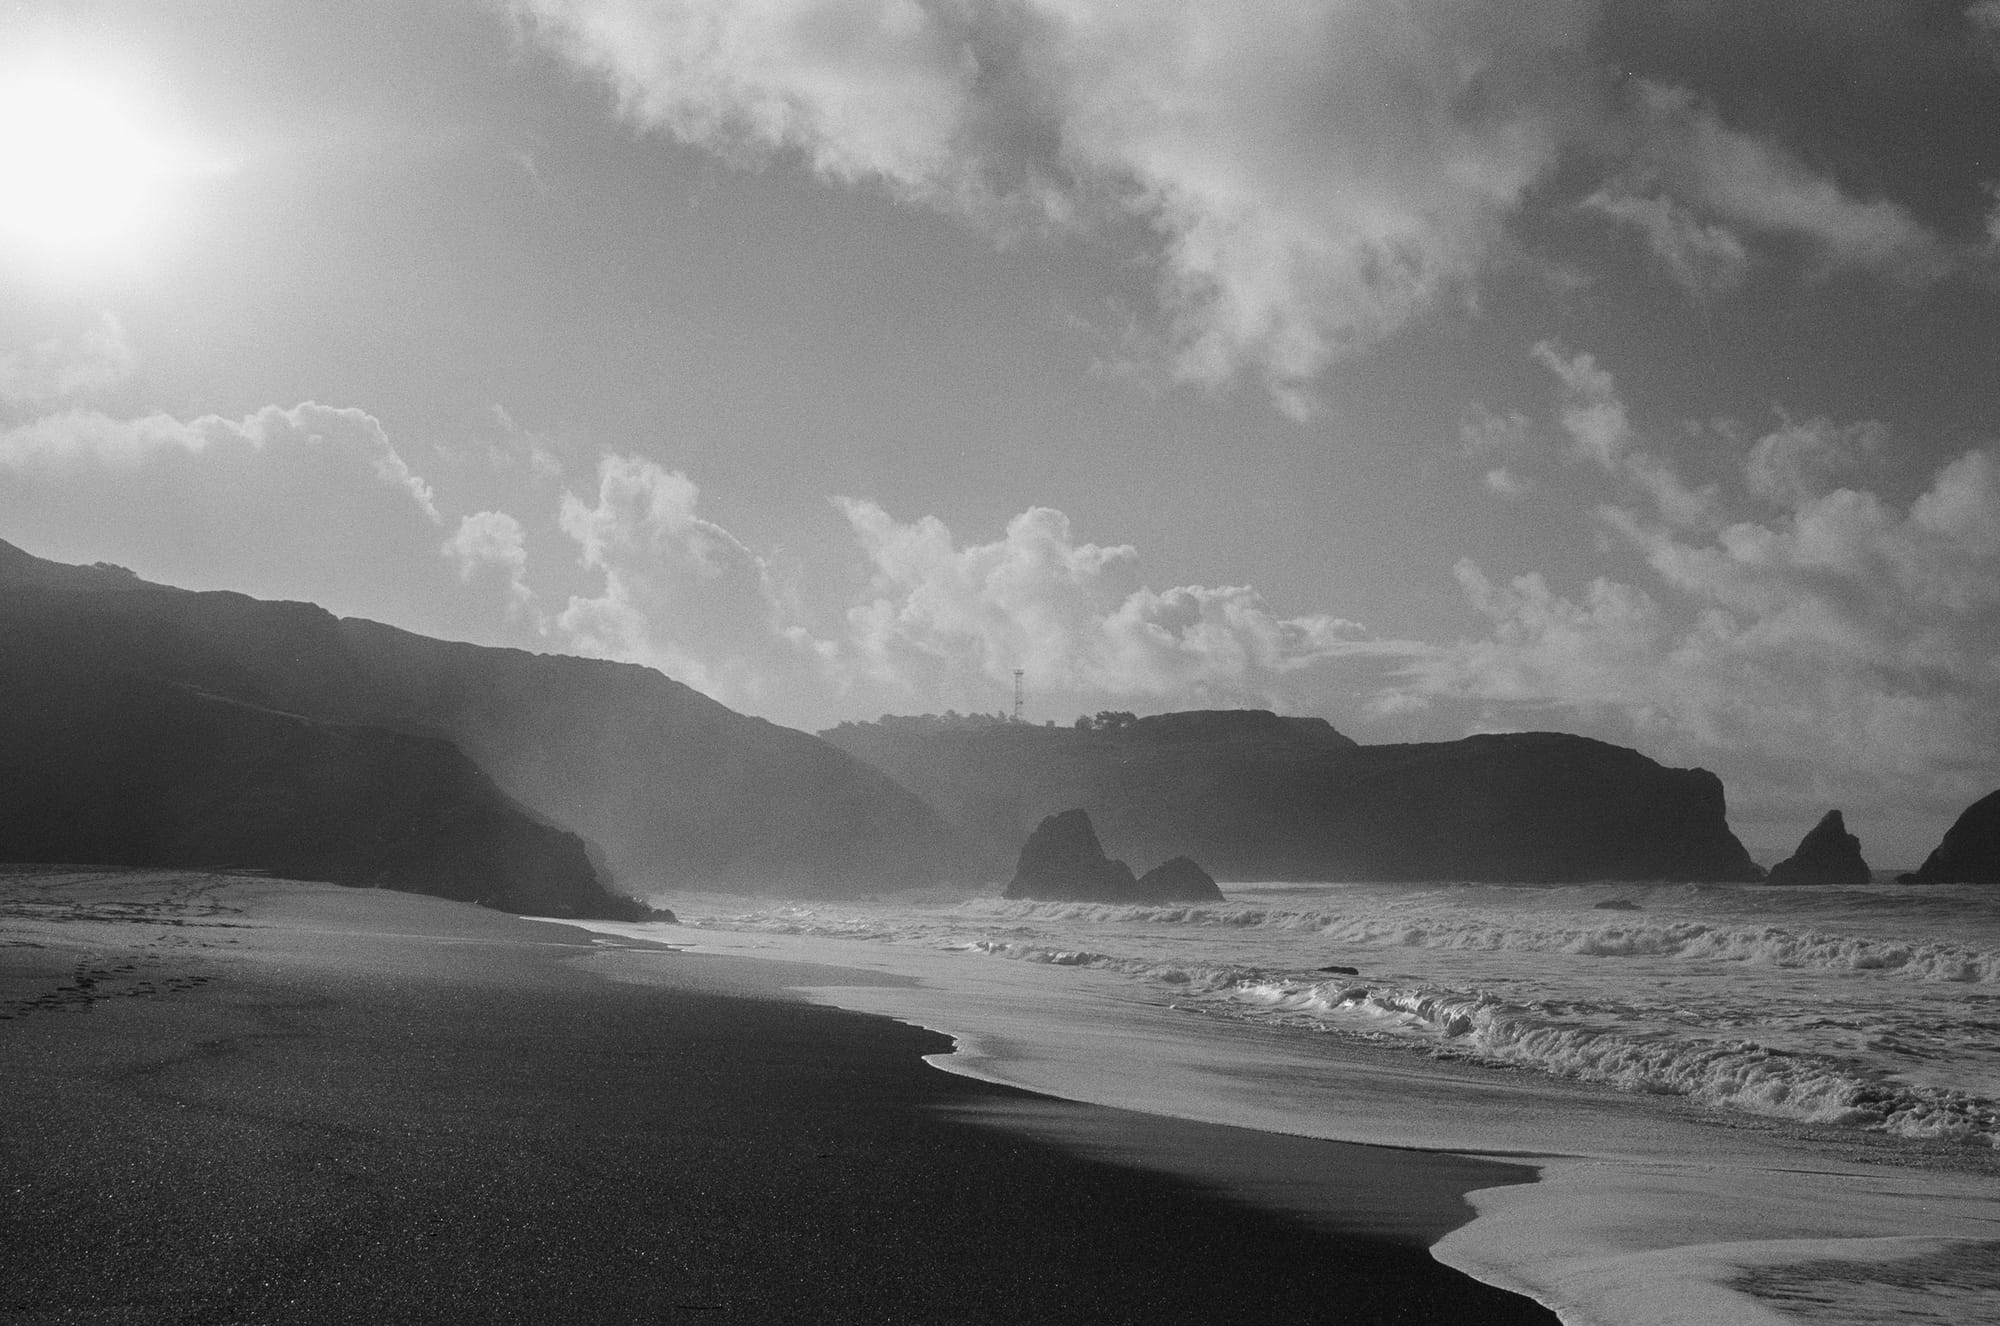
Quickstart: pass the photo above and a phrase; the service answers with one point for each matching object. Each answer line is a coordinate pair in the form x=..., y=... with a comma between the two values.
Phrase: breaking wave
x=1871, y=1010
x=1691, y=939
x=1736, y=1074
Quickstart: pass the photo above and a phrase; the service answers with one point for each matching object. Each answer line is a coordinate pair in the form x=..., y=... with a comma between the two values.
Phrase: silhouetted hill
x=103, y=765
x=672, y=788
x=1257, y=797
x=676, y=788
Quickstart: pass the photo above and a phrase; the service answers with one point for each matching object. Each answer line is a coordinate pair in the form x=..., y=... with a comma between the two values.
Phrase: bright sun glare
x=85, y=173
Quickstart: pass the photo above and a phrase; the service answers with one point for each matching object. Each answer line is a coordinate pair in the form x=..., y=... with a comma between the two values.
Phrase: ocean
x=1748, y=1103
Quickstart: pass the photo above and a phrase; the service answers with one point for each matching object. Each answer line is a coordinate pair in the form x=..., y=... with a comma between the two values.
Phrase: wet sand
x=231, y=1099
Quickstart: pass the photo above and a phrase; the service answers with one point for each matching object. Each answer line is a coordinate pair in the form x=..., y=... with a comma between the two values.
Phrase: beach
x=1744, y=1104
x=231, y=1098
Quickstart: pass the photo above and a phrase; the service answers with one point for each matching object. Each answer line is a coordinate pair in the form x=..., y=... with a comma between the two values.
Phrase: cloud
x=1703, y=258
x=59, y=369
x=678, y=592
x=1839, y=642
x=932, y=623
x=1075, y=617
x=1512, y=438
x=1594, y=415
x=301, y=502
x=492, y=539
x=518, y=448
x=1315, y=174
x=1983, y=17
x=74, y=437
x=1695, y=187
x=1312, y=175
x=1481, y=432
x=89, y=435
x=1800, y=461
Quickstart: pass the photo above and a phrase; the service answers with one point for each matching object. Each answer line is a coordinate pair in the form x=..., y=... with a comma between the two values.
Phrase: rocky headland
x=1256, y=796
x=1970, y=852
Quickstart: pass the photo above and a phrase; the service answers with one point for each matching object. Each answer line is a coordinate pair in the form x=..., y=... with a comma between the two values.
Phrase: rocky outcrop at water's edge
x=1829, y=854
x=1062, y=861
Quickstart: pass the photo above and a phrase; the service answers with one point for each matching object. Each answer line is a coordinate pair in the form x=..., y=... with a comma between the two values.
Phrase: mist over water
x=1874, y=1008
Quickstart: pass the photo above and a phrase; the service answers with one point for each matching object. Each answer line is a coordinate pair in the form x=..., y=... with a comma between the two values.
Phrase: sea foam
x=1848, y=1008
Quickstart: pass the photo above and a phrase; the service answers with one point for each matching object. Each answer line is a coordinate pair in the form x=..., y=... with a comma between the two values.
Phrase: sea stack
x=1179, y=880
x=1970, y=852
x=1062, y=861
x=1829, y=854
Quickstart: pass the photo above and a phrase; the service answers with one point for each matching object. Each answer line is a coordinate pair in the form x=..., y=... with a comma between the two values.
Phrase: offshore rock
x=1829, y=854
x=1179, y=880
x=1062, y=861
x=1970, y=852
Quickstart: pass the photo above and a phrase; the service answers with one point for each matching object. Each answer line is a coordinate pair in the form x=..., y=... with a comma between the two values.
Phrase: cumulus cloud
x=76, y=435
x=1076, y=617
x=1803, y=459
x=933, y=623
x=678, y=591
x=61, y=368
x=1820, y=630
x=89, y=436
x=1315, y=174
x=495, y=540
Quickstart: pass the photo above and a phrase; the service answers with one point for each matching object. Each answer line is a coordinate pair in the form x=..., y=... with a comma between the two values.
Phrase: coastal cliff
x=106, y=767
x=669, y=788
x=1255, y=796
x=1970, y=852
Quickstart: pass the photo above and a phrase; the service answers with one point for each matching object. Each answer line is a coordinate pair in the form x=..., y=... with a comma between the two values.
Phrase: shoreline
x=239, y=1097
x=1649, y=1210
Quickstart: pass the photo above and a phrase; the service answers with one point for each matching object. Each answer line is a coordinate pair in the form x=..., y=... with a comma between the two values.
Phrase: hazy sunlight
x=85, y=174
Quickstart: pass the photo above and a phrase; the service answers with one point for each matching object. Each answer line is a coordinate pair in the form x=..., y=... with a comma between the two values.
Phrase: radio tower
x=1017, y=694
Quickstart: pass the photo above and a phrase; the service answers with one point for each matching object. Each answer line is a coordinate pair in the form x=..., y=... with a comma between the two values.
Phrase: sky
x=1621, y=367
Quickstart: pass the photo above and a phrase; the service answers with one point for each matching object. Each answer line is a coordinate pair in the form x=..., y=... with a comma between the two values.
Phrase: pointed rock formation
x=1178, y=880
x=1970, y=852
x=1062, y=861
x=1829, y=854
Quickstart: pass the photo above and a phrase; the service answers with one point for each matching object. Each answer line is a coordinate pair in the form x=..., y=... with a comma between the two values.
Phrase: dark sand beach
x=231, y=1099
